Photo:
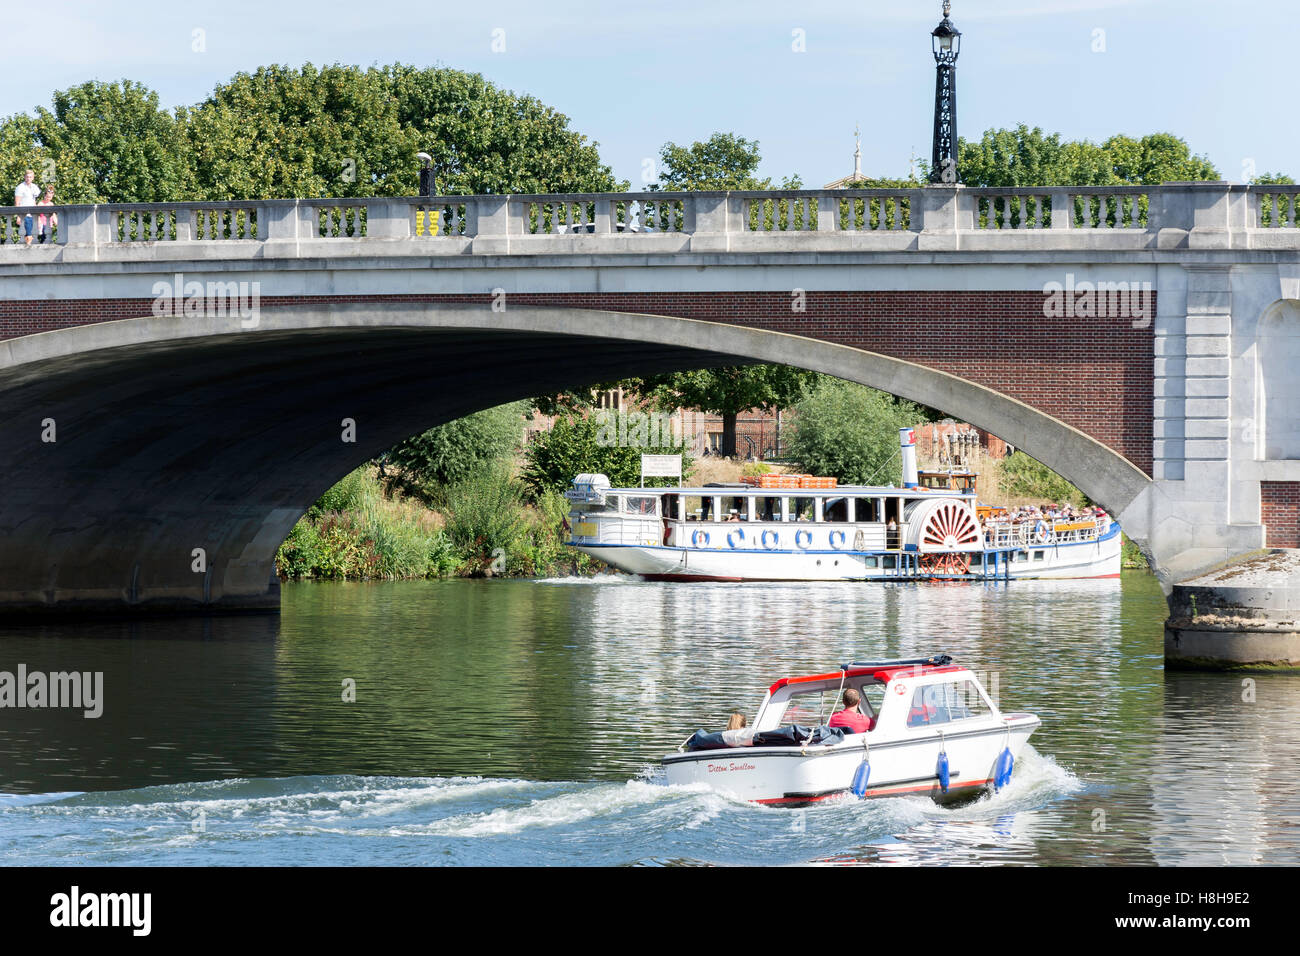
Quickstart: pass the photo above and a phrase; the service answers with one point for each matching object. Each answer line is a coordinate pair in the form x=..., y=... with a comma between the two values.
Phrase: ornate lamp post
x=946, y=40
x=426, y=175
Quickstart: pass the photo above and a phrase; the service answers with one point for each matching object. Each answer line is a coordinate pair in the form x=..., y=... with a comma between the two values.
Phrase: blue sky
x=635, y=75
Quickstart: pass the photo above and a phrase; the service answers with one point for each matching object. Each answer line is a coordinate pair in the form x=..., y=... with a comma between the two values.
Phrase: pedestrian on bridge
x=26, y=194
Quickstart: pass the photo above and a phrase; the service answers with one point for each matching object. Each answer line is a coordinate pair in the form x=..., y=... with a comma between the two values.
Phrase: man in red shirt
x=851, y=718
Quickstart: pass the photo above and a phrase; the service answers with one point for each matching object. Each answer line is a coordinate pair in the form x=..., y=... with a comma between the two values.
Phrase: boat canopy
x=883, y=671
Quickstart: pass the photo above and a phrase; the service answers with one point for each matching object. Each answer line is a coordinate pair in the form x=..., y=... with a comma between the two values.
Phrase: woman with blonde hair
x=738, y=733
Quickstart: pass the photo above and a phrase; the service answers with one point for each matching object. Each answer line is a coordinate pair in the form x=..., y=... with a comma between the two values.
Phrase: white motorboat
x=801, y=528
x=935, y=733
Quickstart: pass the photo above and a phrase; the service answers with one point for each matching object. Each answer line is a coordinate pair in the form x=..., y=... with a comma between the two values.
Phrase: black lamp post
x=427, y=184
x=946, y=40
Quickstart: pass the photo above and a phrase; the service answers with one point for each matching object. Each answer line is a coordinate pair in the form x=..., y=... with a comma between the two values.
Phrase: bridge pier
x=1245, y=615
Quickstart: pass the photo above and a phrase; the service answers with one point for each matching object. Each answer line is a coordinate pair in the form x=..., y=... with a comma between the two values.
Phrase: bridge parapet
x=1178, y=216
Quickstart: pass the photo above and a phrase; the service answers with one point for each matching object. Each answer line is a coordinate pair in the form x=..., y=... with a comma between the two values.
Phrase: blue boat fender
x=862, y=775
x=1005, y=763
x=1002, y=773
x=942, y=770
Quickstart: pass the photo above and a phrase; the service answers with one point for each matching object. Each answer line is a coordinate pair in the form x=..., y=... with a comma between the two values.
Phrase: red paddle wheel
x=949, y=532
x=944, y=563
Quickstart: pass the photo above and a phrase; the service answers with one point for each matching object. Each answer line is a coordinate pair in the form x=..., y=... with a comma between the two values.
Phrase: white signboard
x=661, y=466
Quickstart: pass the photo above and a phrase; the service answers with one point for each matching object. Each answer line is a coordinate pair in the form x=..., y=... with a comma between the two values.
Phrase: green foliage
x=484, y=139
x=487, y=520
x=1027, y=477
x=101, y=142
x=283, y=131
x=352, y=532
x=489, y=530
x=1025, y=157
x=850, y=432
x=114, y=144
x=729, y=391
x=1131, y=556
x=724, y=161
x=753, y=468
x=341, y=131
x=457, y=450
x=578, y=445
x=351, y=493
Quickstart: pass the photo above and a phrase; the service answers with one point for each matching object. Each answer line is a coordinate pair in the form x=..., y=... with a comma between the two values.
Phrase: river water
x=521, y=722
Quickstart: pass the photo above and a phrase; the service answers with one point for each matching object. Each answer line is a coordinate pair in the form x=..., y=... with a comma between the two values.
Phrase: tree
x=724, y=161
x=456, y=451
x=851, y=432
x=283, y=131
x=342, y=131
x=484, y=139
x=728, y=392
x=576, y=445
x=101, y=142
x=1025, y=477
x=1025, y=157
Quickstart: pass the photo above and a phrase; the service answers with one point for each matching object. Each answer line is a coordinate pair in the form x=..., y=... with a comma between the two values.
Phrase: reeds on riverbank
x=483, y=526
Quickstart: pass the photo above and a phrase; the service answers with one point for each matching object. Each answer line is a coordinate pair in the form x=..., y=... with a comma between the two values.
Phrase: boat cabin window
x=672, y=507
x=864, y=509
x=641, y=505
x=733, y=508
x=873, y=696
x=946, y=702
x=802, y=509
x=812, y=707
x=699, y=509
x=837, y=509
x=768, y=509
x=809, y=708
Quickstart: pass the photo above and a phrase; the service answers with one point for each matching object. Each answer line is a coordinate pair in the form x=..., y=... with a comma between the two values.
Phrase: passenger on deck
x=737, y=733
x=851, y=718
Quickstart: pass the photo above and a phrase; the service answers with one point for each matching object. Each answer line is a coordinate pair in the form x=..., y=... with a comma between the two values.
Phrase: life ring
x=843, y=539
x=803, y=544
x=700, y=539
x=734, y=536
x=1041, y=534
x=776, y=539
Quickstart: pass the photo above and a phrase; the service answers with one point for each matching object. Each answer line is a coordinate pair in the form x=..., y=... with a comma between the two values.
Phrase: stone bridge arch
x=177, y=434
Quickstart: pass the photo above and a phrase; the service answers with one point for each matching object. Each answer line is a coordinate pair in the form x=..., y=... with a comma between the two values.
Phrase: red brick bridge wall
x=1094, y=374
x=1281, y=512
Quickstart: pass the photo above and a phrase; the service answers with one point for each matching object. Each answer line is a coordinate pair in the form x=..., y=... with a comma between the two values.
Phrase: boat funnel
x=907, y=441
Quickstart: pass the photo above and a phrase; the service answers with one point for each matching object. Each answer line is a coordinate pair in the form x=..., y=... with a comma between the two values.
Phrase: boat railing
x=1032, y=534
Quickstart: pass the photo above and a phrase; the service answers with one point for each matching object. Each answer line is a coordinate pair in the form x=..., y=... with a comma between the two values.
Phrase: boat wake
x=474, y=820
x=594, y=579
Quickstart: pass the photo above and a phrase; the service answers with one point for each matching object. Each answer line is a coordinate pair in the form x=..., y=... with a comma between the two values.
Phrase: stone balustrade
x=935, y=218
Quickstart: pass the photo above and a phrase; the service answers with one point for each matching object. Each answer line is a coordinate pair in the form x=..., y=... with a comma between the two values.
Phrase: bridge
x=180, y=381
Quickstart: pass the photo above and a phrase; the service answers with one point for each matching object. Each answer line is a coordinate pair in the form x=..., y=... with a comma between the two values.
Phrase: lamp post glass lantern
x=946, y=41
